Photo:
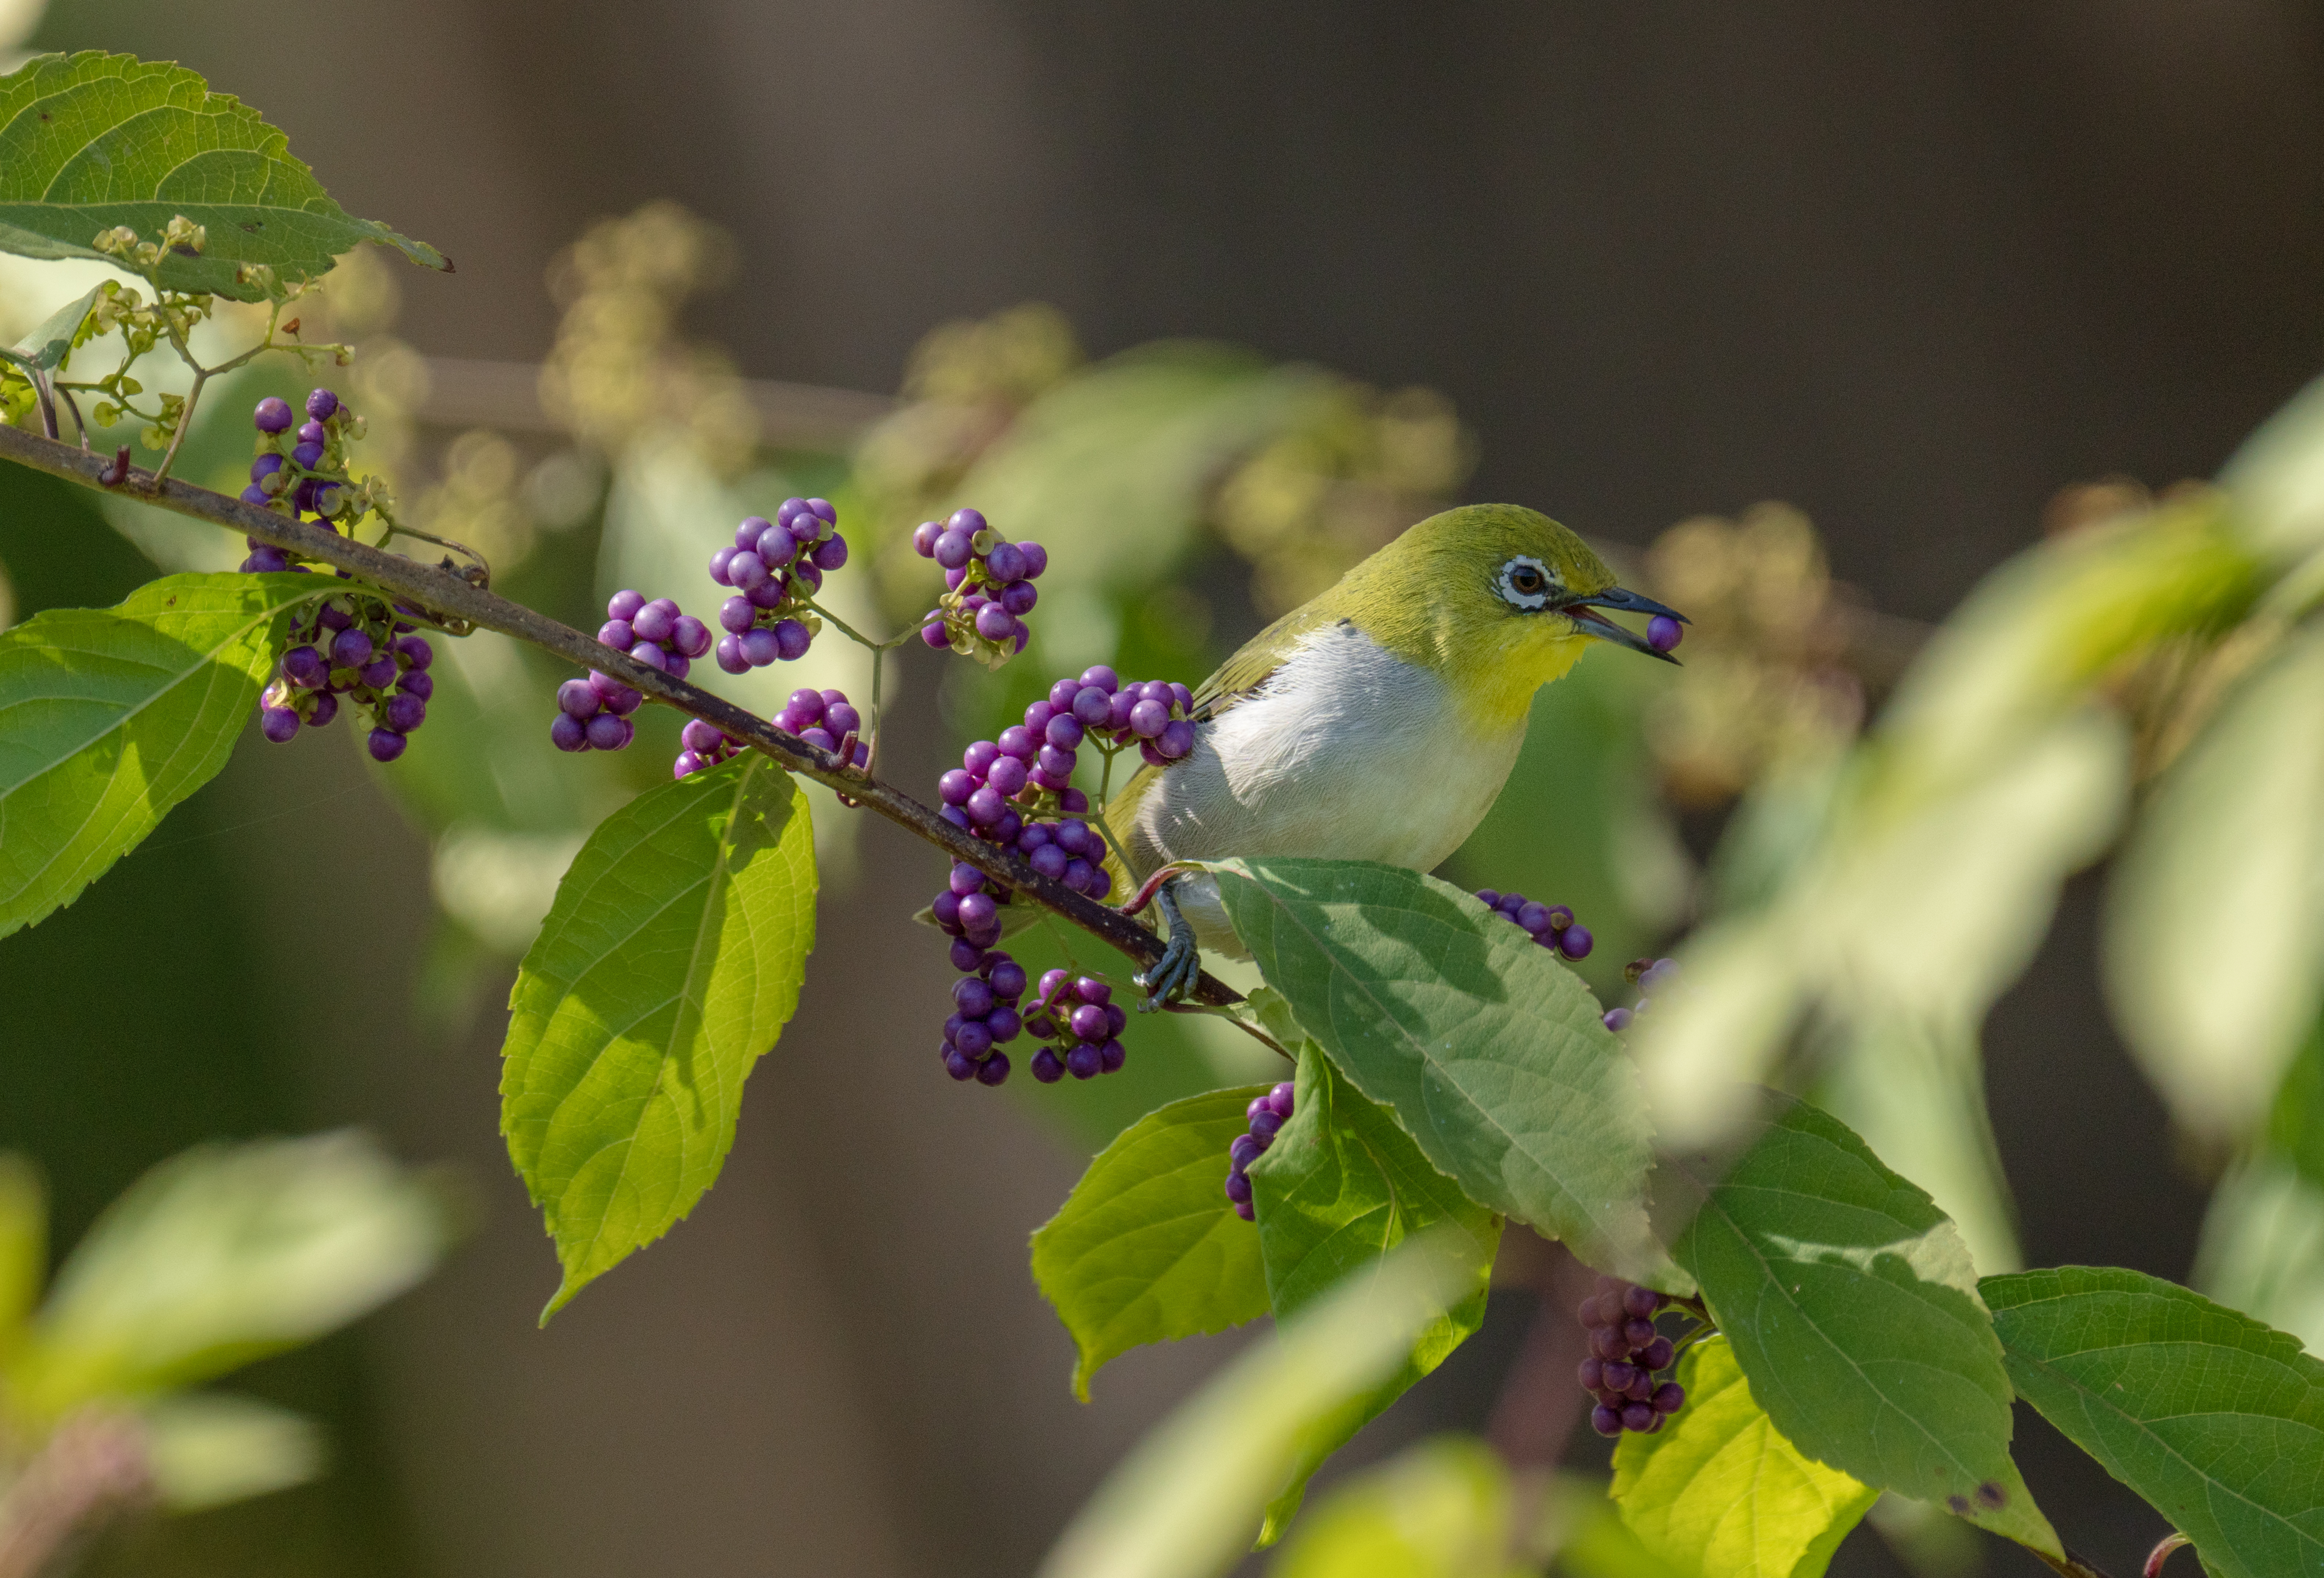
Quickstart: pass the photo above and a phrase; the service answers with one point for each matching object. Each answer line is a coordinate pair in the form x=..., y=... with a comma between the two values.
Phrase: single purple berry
x=924, y=538
x=1574, y=942
x=1280, y=1098
x=839, y=714
x=1668, y=1399
x=968, y=523
x=304, y=667
x=1605, y=1420
x=321, y=403
x=1175, y=740
x=1006, y=562
x=404, y=712
x=994, y=623
x=1607, y=1343
x=568, y=733
x=978, y=914
x=1007, y=776
x=1560, y=918
x=619, y=699
x=324, y=709
x=965, y=879
x=1640, y=1417
x=624, y=604
x=1117, y=713
x=718, y=563
x=1641, y=1302
x=685, y=764
x=307, y=457
x=954, y=787
x=278, y=724
x=1004, y=1023
x=1088, y=1021
x=1663, y=633
x=1074, y=801
x=608, y=732
x=690, y=636
x=792, y=640
x=777, y=547
x=386, y=744
x=273, y=415
x=1617, y=1020
x=1051, y=862
x=1238, y=1187
x=1101, y=677
x=1147, y=719
x=1083, y=1062
x=1036, y=560
x=266, y=465
x=973, y=1039
x=953, y=550
x=1046, y=1067
x=415, y=652
x=935, y=635
x=730, y=655
x=972, y=996
x=760, y=646
x=378, y=673
x=350, y=649
x=1657, y=1354
x=993, y=1070
x=824, y=511
x=959, y=1065
x=310, y=433
x=580, y=698
x=1018, y=597
x=983, y=807
x=255, y=494
x=1265, y=1124
x=1110, y=1056
x=1008, y=979
x=1591, y=1374
x=1617, y=1376
x=746, y=570
x=831, y=553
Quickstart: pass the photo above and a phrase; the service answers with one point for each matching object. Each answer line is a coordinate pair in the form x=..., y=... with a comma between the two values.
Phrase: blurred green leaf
x=2261, y=1252
x=1719, y=1489
x=1186, y=1500
x=108, y=717
x=2211, y=1417
x=1585, y=1531
x=2277, y=478
x=24, y=1247
x=1852, y=1307
x=96, y=141
x=1488, y=1051
x=2295, y=1126
x=1439, y=1509
x=669, y=965
x=221, y=1255
x=2223, y=882
x=207, y=1449
x=1339, y=1190
x=52, y=340
x=1147, y=1248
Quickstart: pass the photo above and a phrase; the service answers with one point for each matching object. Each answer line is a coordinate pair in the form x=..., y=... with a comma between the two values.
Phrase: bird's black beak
x=1582, y=610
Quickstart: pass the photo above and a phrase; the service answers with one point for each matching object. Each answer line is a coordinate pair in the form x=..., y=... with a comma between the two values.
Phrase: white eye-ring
x=1527, y=583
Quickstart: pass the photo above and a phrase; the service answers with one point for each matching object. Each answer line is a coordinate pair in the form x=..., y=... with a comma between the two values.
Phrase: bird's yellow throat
x=1490, y=667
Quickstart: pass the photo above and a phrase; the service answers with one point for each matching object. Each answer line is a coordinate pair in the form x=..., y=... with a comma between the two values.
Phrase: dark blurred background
x=1911, y=268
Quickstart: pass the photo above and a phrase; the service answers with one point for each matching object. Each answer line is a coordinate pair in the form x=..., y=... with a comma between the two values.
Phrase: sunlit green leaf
x=1186, y=1502
x=221, y=1255
x=2211, y=1417
x=208, y=1449
x=2223, y=881
x=1488, y=1051
x=1342, y=1187
x=108, y=717
x=667, y=967
x=1147, y=1248
x=92, y=141
x=1439, y=1510
x=1852, y=1306
x=1719, y=1489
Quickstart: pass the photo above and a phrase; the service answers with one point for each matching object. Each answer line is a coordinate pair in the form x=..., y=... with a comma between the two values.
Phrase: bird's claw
x=1174, y=974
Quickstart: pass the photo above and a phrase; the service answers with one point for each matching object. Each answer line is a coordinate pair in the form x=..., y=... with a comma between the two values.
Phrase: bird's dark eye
x=1527, y=579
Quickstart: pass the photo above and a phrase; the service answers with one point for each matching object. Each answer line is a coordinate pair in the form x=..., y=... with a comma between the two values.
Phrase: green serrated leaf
x=52, y=340
x=1343, y=1186
x=2213, y=1417
x=1147, y=1248
x=221, y=1255
x=1852, y=1306
x=108, y=717
x=1719, y=1489
x=668, y=965
x=92, y=141
x=1488, y=1051
x=1439, y=1510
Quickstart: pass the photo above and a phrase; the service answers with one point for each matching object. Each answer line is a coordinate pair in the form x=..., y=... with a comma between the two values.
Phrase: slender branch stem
x=446, y=595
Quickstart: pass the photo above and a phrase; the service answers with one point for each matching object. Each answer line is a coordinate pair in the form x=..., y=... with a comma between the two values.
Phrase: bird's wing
x=1237, y=679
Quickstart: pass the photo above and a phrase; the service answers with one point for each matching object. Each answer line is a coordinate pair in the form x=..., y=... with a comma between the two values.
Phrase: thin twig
x=447, y=593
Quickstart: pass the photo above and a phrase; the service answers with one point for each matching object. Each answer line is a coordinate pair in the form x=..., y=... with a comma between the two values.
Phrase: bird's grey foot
x=1174, y=974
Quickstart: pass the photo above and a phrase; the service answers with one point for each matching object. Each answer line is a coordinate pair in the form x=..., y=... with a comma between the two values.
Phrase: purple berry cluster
x=594, y=713
x=984, y=1013
x=1663, y=633
x=775, y=567
x=1268, y=1114
x=654, y=633
x=988, y=587
x=1552, y=926
x=1625, y=1352
x=1077, y=1017
x=1649, y=976
x=351, y=645
x=305, y=471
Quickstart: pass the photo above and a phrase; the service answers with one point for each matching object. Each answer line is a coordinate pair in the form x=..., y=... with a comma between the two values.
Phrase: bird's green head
x=1500, y=600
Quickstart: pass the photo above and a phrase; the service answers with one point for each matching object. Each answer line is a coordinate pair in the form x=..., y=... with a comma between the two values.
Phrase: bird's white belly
x=1349, y=752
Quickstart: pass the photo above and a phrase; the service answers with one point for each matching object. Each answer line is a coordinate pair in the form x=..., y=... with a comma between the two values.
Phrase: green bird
x=1377, y=722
